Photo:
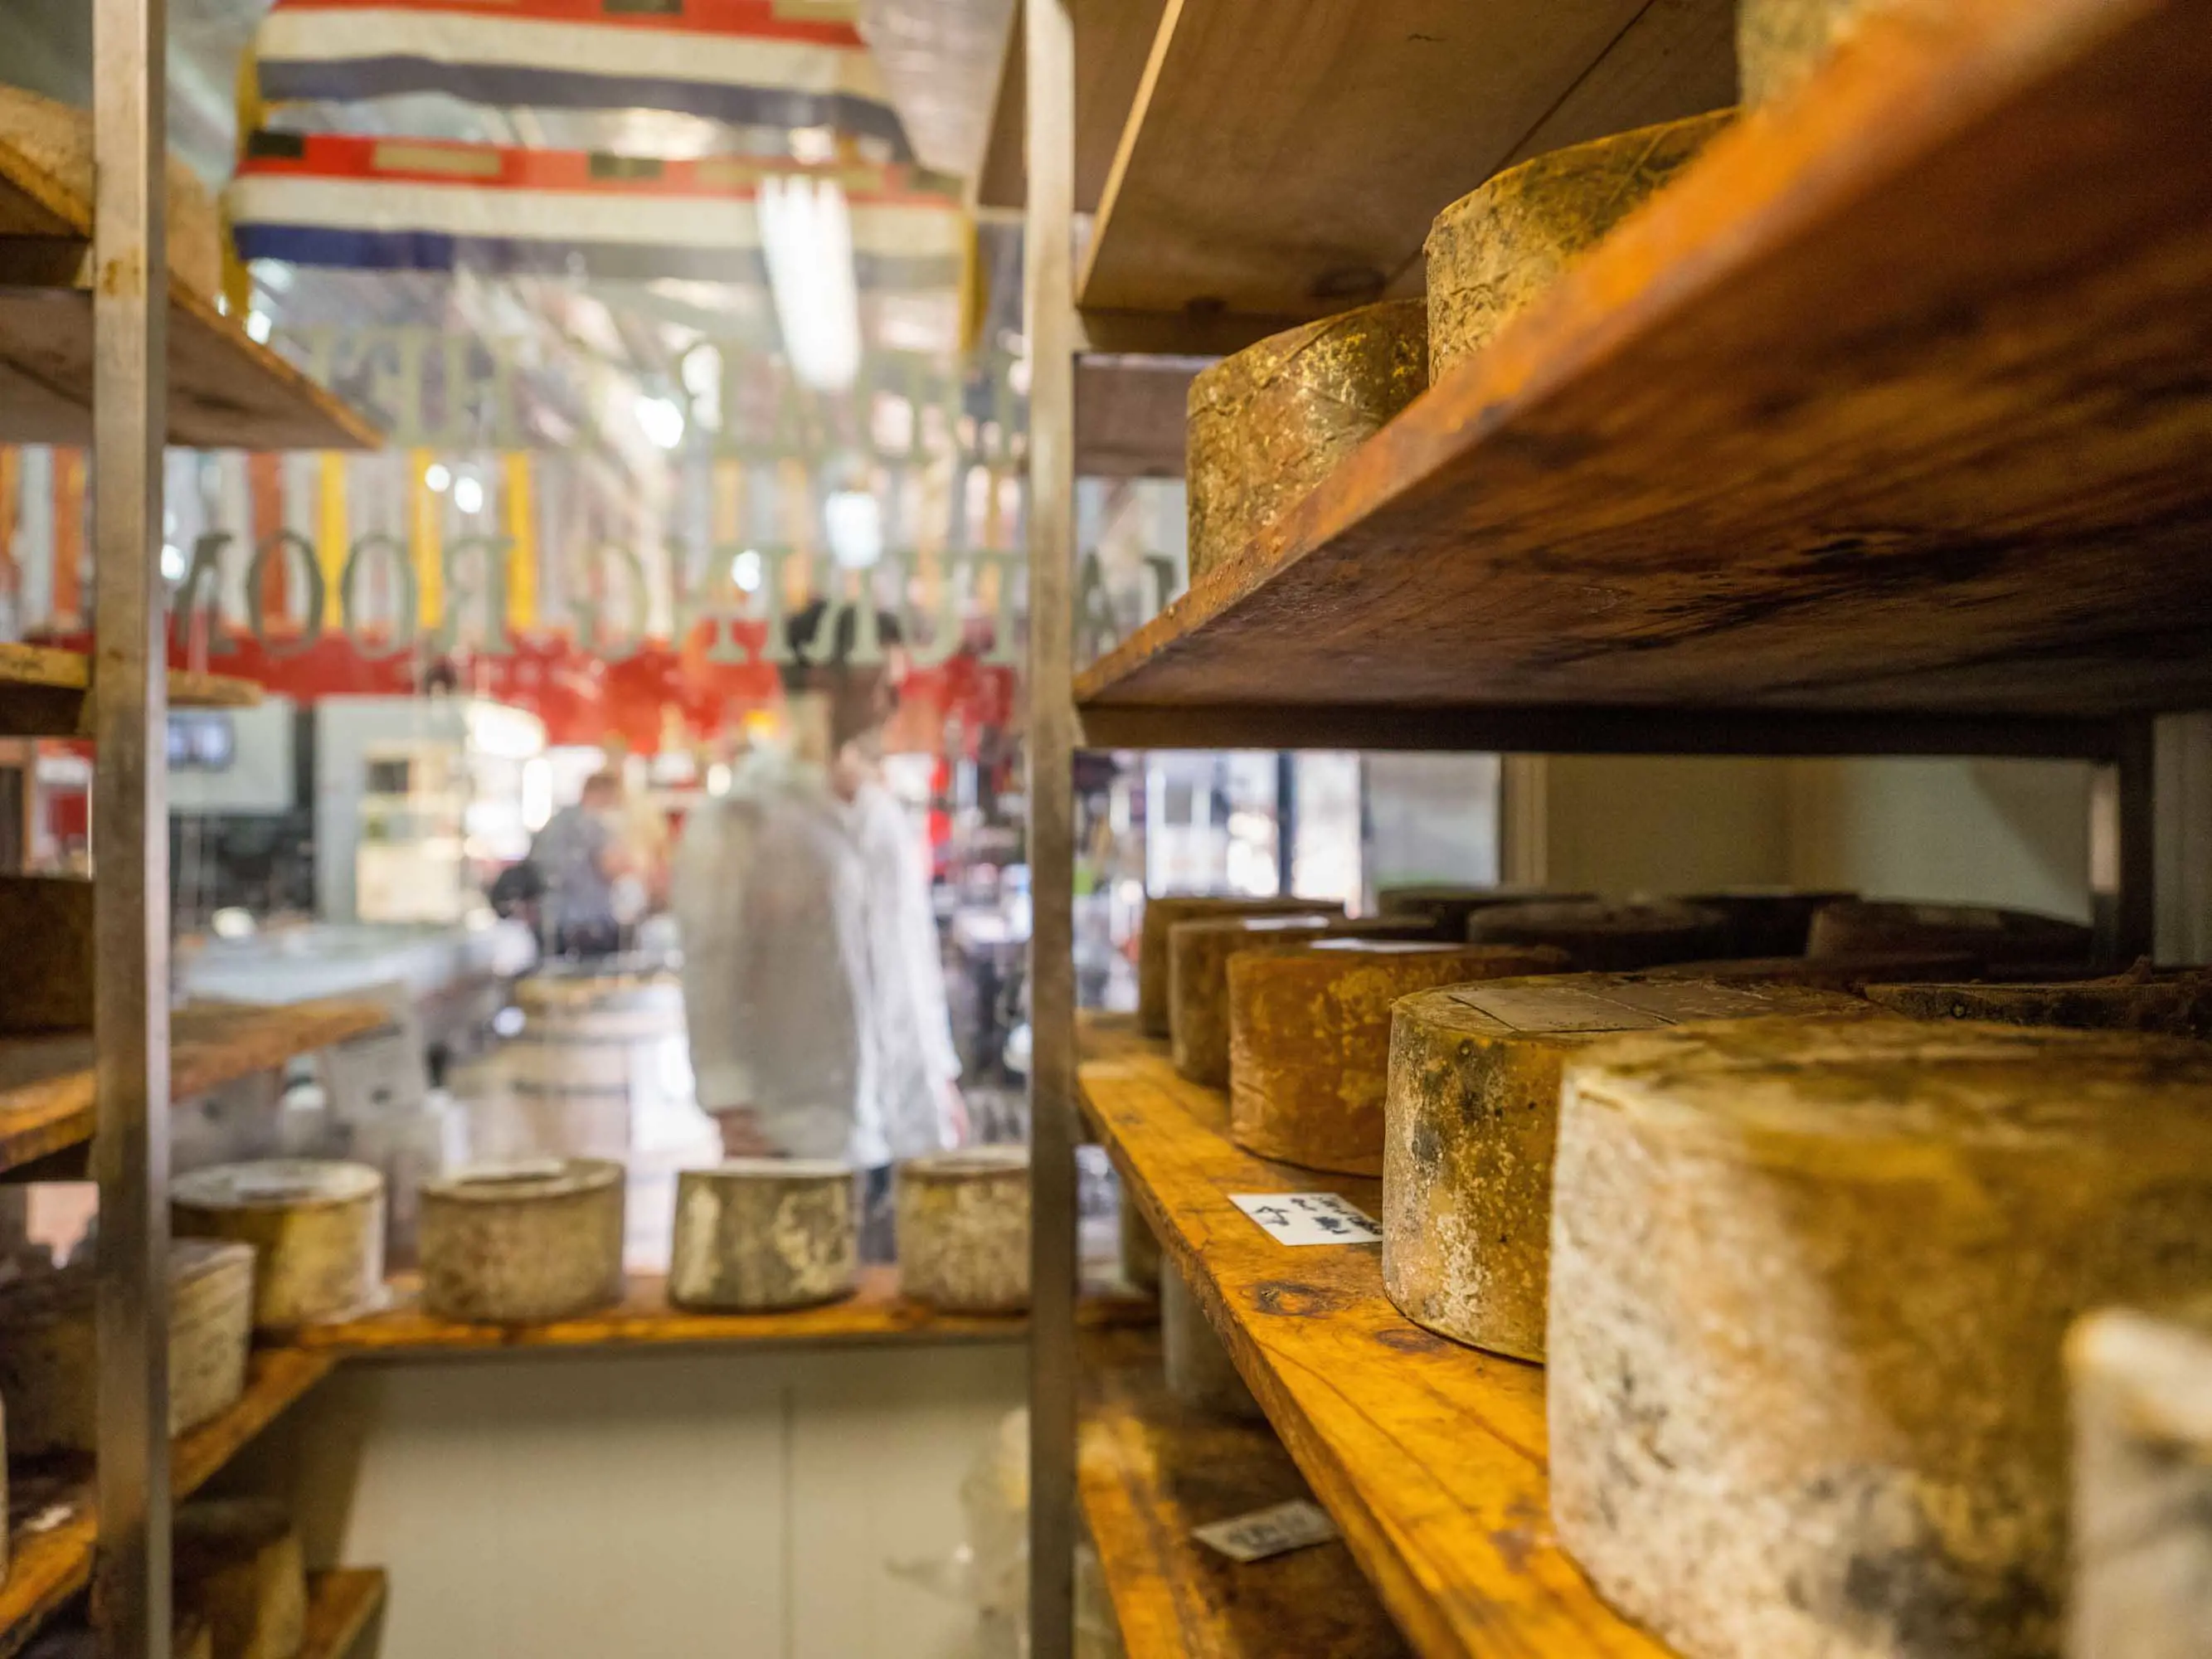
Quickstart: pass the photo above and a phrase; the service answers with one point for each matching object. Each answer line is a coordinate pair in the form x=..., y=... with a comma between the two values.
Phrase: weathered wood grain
x=46, y=1082
x=1149, y=1470
x=43, y=690
x=54, y=1527
x=1288, y=158
x=1113, y=38
x=1431, y=1456
x=1786, y=438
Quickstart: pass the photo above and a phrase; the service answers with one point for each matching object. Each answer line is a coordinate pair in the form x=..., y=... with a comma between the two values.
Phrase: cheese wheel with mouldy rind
x=1164, y=912
x=1810, y=1280
x=1603, y=936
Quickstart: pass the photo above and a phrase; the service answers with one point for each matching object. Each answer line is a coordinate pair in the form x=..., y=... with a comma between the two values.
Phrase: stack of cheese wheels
x=1199, y=1372
x=1309, y=1039
x=963, y=1230
x=1496, y=251
x=1450, y=907
x=1472, y=1119
x=2178, y=1004
x=2142, y=1483
x=1810, y=1281
x=756, y=1234
x=1997, y=938
x=1271, y=421
x=1778, y=43
x=1163, y=913
x=1767, y=921
x=47, y=1346
x=317, y=1231
x=523, y=1244
x=1199, y=954
x=1603, y=936
x=239, y=1570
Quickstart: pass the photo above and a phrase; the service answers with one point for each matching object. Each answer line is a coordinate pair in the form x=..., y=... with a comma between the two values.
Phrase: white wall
x=684, y=1505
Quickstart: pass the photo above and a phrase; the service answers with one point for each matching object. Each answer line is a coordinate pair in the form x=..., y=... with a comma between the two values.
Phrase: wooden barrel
x=1472, y=1119
x=316, y=1229
x=46, y=1348
x=1998, y=938
x=963, y=1230
x=1270, y=422
x=1780, y=43
x=592, y=1050
x=1451, y=906
x=1602, y=936
x=2177, y=1004
x=1767, y=921
x=239, y=1571
x=1163, y=913
x=1309, y=1039
x=1199, y=1372
x=1810, y=1283
x=2141, y=1396
x=756, y=1234
x=1498, y=250
x=523, y=1245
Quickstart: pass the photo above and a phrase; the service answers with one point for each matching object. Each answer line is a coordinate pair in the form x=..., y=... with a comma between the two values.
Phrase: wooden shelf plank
x=876, y=1314
x=52, y=1526
x=46, y=1086
x=1290, y=159
x=1431, y=1456
x=225, y=391
x=1113, y=38
x=1148, y=1471
x=1881, y=405
x=44, y=691
x=340, y=1603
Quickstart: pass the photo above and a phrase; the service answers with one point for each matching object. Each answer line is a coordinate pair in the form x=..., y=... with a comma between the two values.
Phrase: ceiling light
x=855, y=526
x=661, y=420
x=806, y=238
x=468, y=495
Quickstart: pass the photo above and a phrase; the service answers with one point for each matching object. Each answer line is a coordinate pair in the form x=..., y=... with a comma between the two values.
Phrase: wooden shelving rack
x=1879, y=431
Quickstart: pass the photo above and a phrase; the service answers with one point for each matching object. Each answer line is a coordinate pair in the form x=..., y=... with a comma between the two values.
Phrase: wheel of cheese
x=1450, y=907
x=1198, y=976
x=1500, y=248
x=522, y=1245
x=2142, y=1483
x=963, y=1230
x=1163, y=913
x=46, y=1345
x=2177, y=1004
x=1998, y=938
x=1270, y=422
x=756, y=1234
x=1602, y=936
x=1810, y=1281
x=1199, y=1372
x=1767, y=921
x=316, y=1229
x=1779, y=43
x=1309, y=1039
x=239, y=1571
x=1855, y=973
x=1473, y=1116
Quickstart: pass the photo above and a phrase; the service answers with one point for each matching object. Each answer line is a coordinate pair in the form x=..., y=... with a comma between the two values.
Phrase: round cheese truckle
x=1472, y=1117
x=1199, y=954
x=963, y=1228
x=525, y=1244
x=1450, y=906
x=1810, y=1281
x=1270, y=422
x=1499, y=249
x=2142, y=1483
x=1604, y=936
x=756, y=1234
x=1199, y=1370
x=2178, y=1003
x=1767, y=921
x=1163, y=913
x=316, y=1229
x=1997, y=938
x=1309, y=1039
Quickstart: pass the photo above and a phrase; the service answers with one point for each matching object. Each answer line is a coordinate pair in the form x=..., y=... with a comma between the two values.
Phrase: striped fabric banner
x=752, y=62
x=417, y=204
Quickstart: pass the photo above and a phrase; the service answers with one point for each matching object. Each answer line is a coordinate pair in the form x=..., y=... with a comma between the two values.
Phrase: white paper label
x=1275, y=1530
x=1309, y=1218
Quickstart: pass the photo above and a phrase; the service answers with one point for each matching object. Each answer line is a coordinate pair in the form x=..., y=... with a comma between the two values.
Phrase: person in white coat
x=813, y=986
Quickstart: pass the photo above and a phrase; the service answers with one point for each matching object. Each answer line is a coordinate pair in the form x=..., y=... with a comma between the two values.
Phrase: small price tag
x=1309, y=1218
x=1275, y=1530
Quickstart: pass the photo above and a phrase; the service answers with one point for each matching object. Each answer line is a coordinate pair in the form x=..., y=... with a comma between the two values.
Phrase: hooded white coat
x=812, y=983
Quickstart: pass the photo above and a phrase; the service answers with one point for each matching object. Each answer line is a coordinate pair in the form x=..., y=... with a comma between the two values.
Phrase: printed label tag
x=1309, y=1218
x=1275, y=1530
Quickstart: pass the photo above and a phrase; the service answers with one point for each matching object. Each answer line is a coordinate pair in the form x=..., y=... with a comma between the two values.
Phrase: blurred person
x=813, y=986
x=578, y=861
x=641, y=827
